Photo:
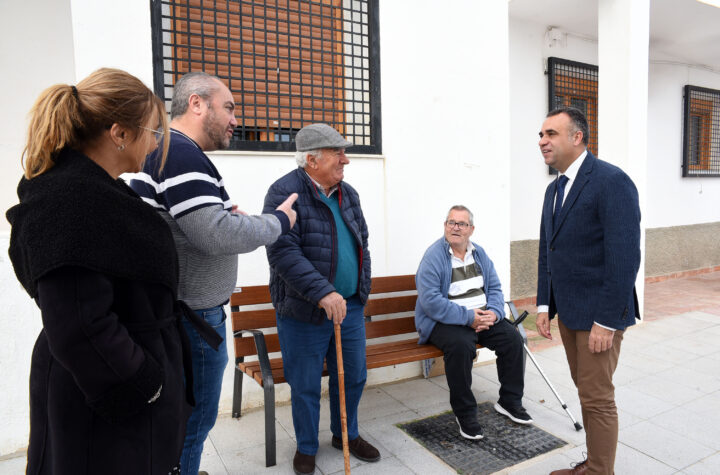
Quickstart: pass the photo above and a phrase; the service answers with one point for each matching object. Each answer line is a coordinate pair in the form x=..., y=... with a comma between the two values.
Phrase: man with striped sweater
x=460, y=303
x=209, y=232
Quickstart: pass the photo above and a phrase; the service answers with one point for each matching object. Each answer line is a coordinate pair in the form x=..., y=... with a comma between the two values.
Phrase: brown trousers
x=592, y=374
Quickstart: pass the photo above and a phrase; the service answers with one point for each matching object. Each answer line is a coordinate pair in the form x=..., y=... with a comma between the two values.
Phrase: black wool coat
x=107, y=392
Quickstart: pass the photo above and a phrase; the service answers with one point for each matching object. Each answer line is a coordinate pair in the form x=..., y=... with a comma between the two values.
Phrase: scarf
x=76, y=214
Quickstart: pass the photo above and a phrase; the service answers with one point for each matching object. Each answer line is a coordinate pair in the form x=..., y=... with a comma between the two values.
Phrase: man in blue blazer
x=589, y=259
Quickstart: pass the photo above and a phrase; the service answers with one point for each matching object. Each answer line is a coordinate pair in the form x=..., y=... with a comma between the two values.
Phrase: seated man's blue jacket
x=433, y=283
x=303, y=262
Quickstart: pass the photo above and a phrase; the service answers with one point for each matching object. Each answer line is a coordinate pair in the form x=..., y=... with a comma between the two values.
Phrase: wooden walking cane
x=341, y=388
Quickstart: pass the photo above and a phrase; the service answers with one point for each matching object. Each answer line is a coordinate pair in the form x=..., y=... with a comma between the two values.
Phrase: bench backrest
x=386, y=312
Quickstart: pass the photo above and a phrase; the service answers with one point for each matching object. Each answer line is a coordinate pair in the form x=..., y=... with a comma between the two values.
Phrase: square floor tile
x=704, y=429
x=640, y=404
x=663, y=445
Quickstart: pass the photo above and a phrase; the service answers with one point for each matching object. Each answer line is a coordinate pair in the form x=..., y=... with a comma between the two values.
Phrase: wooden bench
x=387, y=313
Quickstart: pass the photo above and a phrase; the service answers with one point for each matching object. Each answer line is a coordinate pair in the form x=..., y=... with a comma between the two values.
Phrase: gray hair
x=301, y=157
x=462, y=208
x=200, y=83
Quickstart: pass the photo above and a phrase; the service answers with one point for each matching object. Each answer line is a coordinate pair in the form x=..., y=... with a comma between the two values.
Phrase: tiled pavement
x=667, y=391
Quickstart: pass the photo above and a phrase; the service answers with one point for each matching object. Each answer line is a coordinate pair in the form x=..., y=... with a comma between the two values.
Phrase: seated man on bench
x=460, y=304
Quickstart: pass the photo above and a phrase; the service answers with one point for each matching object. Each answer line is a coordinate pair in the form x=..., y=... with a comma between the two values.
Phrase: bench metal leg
x=237, y=390
x=270, y=448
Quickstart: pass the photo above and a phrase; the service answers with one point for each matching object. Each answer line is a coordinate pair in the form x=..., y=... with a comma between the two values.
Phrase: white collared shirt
x=327, y=193
x=571, y=173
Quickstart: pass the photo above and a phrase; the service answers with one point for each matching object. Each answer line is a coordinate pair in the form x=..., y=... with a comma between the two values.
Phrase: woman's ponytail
x=55, y=123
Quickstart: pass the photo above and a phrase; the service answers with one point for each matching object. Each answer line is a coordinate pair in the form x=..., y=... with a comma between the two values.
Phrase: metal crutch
x=516, y=322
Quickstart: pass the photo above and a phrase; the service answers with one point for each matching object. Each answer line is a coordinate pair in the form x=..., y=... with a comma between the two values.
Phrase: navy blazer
x=588, y=264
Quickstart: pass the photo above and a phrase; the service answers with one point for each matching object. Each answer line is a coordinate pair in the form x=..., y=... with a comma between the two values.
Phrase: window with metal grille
x=288, y=63
x=701, y=132
x=573, y=84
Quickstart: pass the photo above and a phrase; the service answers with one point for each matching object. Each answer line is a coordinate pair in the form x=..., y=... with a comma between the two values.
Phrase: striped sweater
x=190, y=195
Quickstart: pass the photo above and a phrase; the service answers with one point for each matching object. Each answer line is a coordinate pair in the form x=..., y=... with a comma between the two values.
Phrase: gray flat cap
x=317, y=136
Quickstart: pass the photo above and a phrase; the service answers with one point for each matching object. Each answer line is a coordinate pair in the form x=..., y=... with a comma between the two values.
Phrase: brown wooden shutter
x=700, y=126
x=283, y=59
x=571, y=90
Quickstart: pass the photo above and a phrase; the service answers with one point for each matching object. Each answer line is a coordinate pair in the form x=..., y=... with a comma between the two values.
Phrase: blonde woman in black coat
x=107, y=391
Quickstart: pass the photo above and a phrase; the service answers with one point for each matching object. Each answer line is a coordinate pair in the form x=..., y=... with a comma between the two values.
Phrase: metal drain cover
x=505, y=443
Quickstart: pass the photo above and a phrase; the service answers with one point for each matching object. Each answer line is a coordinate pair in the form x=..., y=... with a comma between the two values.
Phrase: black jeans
x=458, y=344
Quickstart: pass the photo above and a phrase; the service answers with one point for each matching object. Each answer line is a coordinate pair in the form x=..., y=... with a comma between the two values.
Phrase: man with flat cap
x=320, y=275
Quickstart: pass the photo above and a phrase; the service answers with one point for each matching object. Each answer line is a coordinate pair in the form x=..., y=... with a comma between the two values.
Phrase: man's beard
x=215, y=133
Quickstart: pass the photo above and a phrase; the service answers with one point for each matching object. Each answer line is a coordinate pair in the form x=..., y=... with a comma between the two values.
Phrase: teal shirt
x=347, y=271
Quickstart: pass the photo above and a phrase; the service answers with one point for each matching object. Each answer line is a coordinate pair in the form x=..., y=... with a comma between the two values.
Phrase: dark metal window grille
x=574, y=84
x=701, y=132
x=288, y=63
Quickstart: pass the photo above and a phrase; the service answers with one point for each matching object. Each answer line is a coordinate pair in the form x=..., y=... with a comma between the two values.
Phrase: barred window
x=701, y=133
x=574, y=84
x=288, y=63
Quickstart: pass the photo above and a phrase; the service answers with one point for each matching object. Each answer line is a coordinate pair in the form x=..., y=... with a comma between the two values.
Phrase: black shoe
x=360, y=448
x=516, y=414
x=470, y=428
x=303, y=464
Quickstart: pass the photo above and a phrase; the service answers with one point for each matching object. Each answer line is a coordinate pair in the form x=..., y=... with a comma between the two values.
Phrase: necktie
x=559, y=195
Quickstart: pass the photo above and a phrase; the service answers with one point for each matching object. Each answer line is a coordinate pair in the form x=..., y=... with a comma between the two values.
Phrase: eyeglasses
x=451, y=224
x=159, y=134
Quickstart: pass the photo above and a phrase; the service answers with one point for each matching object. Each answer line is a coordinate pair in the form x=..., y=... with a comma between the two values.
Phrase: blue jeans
x=208, y=367
x=305, y=347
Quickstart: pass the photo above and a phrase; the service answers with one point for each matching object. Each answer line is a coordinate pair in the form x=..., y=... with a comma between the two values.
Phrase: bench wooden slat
x=379, y=355
x=245, y=346
x=394, y=326
x=395, y=283
x=254, y=319
x=252, y=369
x=389, y=347
x=399, y=357
x=255, y=294
x=250, y=295
x=382, y=306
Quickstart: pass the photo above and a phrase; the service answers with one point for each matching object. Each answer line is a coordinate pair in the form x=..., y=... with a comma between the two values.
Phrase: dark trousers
x=458, y=345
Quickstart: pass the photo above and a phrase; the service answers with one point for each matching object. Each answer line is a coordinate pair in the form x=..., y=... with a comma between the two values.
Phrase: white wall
x=35, y=54
x=529, y=50
x=671, y=199
x=445, y=124
x=113, y=35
